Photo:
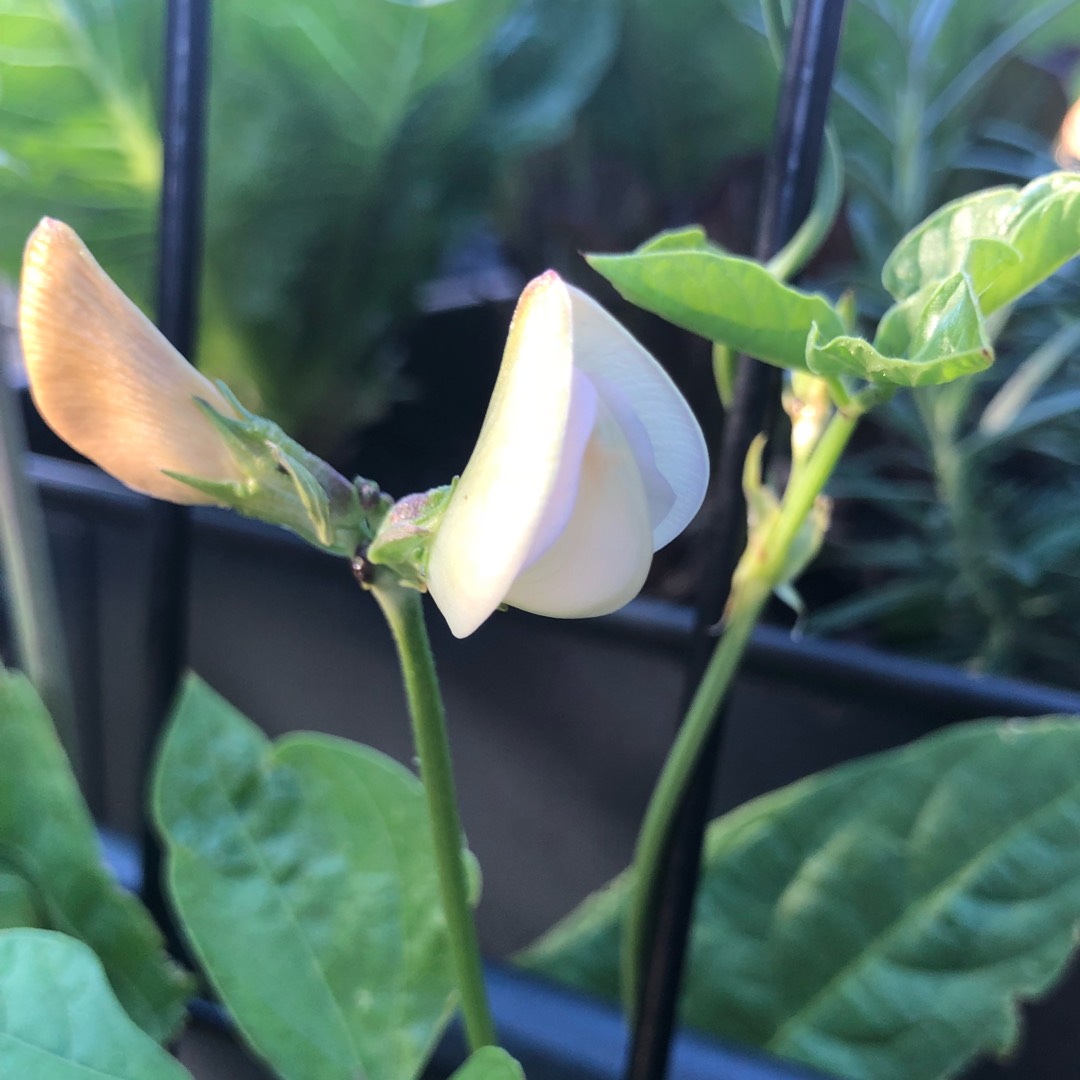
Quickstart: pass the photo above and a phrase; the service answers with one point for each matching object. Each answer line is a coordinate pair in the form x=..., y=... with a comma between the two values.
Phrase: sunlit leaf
x=1045, y=231
x=949, y=341
x=721, y=297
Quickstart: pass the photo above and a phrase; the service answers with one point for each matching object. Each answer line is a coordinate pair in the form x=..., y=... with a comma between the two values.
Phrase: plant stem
x=750, y=591
x=404, y=612
x=24, y=553
x=667, y=796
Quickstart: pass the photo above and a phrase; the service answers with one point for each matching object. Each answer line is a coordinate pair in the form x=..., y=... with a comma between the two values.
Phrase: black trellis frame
x=789, y=190
x=187, y=43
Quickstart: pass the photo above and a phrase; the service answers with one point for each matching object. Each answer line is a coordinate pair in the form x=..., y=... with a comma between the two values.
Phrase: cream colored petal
x=601, y=559
x=105, y=379
x=501, y=504
x=658, y=424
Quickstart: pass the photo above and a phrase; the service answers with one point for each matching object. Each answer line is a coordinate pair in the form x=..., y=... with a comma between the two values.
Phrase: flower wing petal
x=660, y=427
x=602, y=557
x=106, y=381
x=502, y=501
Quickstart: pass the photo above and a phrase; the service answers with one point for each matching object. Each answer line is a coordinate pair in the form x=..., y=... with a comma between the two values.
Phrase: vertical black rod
x=180, y=248
x=789, y=190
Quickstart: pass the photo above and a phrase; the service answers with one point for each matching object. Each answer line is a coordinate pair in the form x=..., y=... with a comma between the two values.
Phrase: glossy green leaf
x=950, y=341
x=1045, y=231
x=47, y=839
x=1008, y=240
x=490, y=1063
x=59, y=1019
x=882, y=918
x=936, y=249
x=721, y=297
x=304, y=876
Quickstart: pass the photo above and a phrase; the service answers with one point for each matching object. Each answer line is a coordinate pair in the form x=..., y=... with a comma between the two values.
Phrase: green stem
x=24, y=553
x=404, y=612
x=755, y=583
x=668, y=794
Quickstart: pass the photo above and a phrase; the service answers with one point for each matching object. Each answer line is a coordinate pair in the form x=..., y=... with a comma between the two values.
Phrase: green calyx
x=403, y=541
x=286, y=485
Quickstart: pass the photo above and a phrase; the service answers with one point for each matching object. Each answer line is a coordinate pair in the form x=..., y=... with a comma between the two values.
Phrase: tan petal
x=104, y=378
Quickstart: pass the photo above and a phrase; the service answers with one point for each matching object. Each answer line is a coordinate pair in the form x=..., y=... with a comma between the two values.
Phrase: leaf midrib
x=937, y=897
x=267, y=760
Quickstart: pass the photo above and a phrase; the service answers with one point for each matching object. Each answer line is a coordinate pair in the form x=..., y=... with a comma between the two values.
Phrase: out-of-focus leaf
x=364, y=62
x=78, y=137
x=47, y=839
x=490, y=1063
x=693, y=87
x=949, y=341
x=342, y=154
x=304, y=876
x=721, y=297
x=59, y=1019
x=547, y=60
x=1041, y=411
x=879, y=919
x=1018, y=390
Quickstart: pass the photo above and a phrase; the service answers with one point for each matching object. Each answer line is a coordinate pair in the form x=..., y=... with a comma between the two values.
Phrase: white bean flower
x=588, y=461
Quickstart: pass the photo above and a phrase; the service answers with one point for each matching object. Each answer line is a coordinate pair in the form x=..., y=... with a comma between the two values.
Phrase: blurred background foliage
x=356, y=145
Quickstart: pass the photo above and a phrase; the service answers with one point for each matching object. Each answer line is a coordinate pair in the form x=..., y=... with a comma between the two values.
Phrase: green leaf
x=693, y=87
x=937, y=248
x=304, y=875
x=690, y=238
x=721, y=297
x=950, y=341
x=1045, y=231
x=80, y=139
x=352, y=128
x=490, y=1063
x=1039, y=223
x=547, y=60
x=1028, y=378
x=879, y=919
x=47, y=839
x=59, y=1019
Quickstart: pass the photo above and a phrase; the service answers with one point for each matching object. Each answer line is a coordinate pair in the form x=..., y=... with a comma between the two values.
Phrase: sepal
x=284, y=484
x=403, y=541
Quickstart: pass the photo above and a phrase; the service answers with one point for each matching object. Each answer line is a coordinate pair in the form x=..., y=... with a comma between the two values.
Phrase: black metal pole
x=187, y=36
x=789, y=191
